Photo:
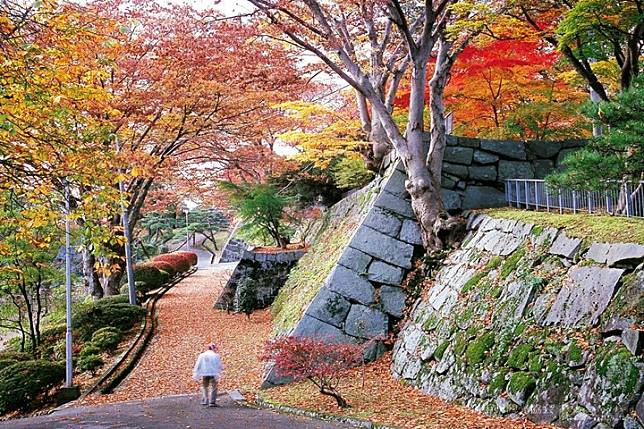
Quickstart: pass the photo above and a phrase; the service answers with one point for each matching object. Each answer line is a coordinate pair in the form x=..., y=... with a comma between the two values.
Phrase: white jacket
x=208, y=365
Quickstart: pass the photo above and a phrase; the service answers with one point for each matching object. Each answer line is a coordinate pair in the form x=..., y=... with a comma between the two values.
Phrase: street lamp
x=131, y=288
x=186, y=211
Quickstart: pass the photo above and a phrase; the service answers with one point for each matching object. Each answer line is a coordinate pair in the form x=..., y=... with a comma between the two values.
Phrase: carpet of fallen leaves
x=187, y=322
x=387, y=401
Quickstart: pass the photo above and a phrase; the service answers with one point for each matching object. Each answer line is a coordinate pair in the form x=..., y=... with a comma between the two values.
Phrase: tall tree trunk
x=91, y=279
x=380, y=144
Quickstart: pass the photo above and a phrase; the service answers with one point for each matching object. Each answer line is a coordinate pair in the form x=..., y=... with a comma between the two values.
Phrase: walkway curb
x=355, y=422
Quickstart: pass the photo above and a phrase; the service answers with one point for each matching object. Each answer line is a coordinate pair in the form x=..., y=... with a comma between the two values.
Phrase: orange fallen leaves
x=187, y=322
x=386, y=400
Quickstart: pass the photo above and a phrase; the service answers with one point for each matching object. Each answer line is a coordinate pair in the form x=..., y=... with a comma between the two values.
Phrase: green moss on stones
x=511, y=263
x=535, y=363
x=518, y=358
x=537, y=230
x=493, y=263
x=574, y=352
x=522, y=382
x=498, y=382
x=477, y=349
x=440, y=350
x=617, y=366
x=473, y=282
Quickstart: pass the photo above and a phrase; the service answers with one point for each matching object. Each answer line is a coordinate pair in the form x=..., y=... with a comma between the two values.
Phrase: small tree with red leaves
x=320, y=362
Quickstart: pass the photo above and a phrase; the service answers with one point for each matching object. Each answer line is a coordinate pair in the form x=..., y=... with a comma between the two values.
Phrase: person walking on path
x=208, y=367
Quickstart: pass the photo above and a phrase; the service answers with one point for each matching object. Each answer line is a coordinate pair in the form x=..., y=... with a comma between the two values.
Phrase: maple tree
x=186, y=88
x=321, y=362
x=602, y=40
x=511, y=88
x=333, y=31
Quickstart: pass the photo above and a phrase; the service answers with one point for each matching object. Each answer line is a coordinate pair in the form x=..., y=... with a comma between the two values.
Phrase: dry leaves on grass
x=187, y=322
x=386, y=400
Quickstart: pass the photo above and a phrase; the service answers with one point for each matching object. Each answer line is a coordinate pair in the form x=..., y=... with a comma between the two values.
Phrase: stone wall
x=525, y=321
x=233, y=250
x=356, y=295
x=268, y=273
x=475, y=170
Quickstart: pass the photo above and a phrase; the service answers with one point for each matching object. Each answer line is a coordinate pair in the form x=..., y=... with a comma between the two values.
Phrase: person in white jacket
x=208, y=367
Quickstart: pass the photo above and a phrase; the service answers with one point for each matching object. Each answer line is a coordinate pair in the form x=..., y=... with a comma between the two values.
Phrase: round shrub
x=6, y=362
x=51, y=333
x=149, y=274
x=22, y=382
x=180, y=263
x=165, y=266
x=97, y=316
x=89, y=349
x=59, y=350
x=192, y=257
x=106, y=338
x=90, y=363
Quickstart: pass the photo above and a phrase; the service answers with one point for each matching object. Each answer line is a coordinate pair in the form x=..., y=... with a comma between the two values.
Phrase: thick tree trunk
x=380, y=144
x=91, y=279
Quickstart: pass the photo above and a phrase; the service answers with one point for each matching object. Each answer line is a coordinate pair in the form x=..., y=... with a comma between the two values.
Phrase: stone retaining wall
x=525, y=321
x=475, y=170
x=268, y=273
x=233, y=251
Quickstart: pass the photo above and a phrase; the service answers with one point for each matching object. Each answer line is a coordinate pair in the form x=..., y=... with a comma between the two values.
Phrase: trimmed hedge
x=192, y=257
x=97, y=316
x=181, y=263
x=149, y=274
x=165, y=266
x=22, y=382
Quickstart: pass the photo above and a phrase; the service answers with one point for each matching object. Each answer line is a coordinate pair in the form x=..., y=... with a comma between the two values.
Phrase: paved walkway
x=168, y=413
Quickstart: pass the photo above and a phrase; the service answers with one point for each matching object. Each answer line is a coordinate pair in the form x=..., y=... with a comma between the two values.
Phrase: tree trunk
x=92, y=282
x=380, y=144
x=342, y=403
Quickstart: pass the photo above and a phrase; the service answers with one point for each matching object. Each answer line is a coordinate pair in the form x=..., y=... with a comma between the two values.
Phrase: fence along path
x=623, y=199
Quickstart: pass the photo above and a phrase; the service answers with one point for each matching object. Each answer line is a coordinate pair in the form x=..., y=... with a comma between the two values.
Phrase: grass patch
x=604, y=228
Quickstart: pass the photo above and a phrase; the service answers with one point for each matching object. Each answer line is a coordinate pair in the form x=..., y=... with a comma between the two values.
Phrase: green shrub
x=22, y=382
x=89, y=349
x=52, y=333
x=518, y=358
x=106, y=338
x=113, y=299
x=17, y=356
x=59, y=350
x=90, y=363
x=477, y=349
x=149, y=274
x=6, y=362
x=97, y=316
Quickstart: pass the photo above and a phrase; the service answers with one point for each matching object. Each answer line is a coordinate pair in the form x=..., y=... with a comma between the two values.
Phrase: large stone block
x=351, y=285
x=396, y=184
x=383, y=247
x=410, y=232
x=310, y=327
x=484, y=157
x=457, y=170
x=625, y=253
x=583, y=299
x=355, y=259
x=394, y=204
x=487, y=173
x=366, y=322
x=451, y=199
x=544, y=149
x=393, y=300
x=508, y=149
x=543, y=167
x=469, y=142
x=381, y=272
x=329, y=307
x=565, y=246
x=458, y=155
x=515, y=170
x=383, y=221
x=478, y=197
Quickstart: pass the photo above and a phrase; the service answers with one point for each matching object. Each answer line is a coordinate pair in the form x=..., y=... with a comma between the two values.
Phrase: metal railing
x=624, y=199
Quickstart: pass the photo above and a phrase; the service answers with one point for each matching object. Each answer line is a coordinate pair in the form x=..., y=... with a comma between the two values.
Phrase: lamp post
x=69, y=392
x=186, y=211
x=131, y=288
